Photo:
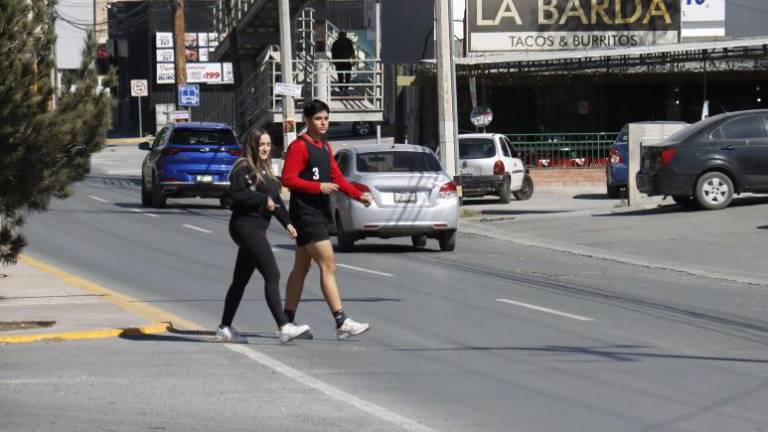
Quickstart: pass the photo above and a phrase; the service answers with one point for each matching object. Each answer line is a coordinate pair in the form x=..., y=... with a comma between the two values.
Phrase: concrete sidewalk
x=727, y=244
x=41, y=303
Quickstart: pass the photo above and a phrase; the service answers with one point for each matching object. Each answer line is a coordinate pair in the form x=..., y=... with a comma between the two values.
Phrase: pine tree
x=42, y=151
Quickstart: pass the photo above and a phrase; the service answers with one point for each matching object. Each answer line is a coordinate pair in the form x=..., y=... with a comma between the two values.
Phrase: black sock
x=290, y=315
x=339, y=316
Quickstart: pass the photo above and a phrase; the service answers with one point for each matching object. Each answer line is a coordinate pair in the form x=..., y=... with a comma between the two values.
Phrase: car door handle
x=728, y=147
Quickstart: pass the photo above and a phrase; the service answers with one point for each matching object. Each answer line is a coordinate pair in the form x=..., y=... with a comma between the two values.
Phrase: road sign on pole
x=139, y=88
x=189, y=95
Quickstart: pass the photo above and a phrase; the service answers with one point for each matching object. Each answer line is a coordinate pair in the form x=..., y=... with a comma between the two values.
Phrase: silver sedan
x=412, y=196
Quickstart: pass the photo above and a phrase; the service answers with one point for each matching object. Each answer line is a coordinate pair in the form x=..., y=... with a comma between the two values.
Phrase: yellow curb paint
x=83, y=335
x=149, y=312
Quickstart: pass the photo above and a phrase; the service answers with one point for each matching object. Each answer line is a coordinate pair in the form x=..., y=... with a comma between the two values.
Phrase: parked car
x=412, y=196
x=616, y=170
x=188, y=160
x=707, y=163
x=489, y=165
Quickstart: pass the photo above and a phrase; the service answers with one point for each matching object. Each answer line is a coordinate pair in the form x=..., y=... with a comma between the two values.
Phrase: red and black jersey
x=308, y=163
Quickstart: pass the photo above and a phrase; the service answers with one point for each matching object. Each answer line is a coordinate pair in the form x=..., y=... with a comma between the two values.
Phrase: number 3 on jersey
x=315, y=174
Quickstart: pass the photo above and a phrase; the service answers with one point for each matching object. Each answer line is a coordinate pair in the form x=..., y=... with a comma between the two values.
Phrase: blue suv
x=188, y=160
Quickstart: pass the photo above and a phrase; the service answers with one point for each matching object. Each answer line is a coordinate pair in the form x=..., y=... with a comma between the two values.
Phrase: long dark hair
x=251, y=156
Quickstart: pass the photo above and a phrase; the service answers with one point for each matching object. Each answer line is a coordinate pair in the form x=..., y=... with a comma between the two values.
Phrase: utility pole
x=179, y=54
x=446, y=89
x=286, y=66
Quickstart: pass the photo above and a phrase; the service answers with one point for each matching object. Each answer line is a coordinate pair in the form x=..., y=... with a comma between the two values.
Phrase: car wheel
x=447, y=241
x=146, y=197
x=158, y=199
x=505, y=191
x=685, y=201
x=225, y=201
x=362, y=129
x=714, y=191
x=419, y=241
x=344, y=241
x=526, y=191
x=613, y=191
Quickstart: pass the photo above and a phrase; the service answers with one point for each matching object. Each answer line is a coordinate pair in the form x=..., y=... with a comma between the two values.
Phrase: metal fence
x=563, y=150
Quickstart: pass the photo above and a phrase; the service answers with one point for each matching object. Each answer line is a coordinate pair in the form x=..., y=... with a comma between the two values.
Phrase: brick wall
x=553, y=178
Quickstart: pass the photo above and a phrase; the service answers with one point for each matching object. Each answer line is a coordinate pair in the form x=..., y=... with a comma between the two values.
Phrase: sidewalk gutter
x=483, y=229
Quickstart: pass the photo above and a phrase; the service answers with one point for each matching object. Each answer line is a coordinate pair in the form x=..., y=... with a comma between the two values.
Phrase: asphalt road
x=492, y=337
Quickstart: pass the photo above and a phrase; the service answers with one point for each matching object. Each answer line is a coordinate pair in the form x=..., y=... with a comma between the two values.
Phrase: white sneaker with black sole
x=290, y=332
x=307, y=335
x=228, y=334
x=351, y=328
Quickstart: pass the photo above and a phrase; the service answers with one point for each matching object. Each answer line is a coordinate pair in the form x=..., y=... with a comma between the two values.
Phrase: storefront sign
x=534, y=25
x=703, y=18
x=203, y=73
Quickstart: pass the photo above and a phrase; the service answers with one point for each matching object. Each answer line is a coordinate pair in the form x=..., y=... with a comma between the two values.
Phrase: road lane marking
x=142, y=212
x=98, y=199
x=336, y=393
x=192, y=227
x=347, y=266
x=546, y=310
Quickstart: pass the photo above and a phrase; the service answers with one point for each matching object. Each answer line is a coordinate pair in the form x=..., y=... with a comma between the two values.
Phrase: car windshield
x=202, y=137
x=397, y=161
x=476, y=148
x=623, y=136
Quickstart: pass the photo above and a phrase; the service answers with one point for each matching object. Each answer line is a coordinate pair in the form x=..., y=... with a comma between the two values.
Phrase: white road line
x=98, y=199
x=142, y=212
x=347, y=266
x=336, y=393
x=543, y=309
x=192, y=227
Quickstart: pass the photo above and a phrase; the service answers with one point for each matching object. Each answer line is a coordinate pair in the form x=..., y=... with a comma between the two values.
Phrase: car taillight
x=448, y=190
x=170, y=151
x=498, y=168
x=616, y=157
x=361, y=187
x=235, y=152
x=666, y=156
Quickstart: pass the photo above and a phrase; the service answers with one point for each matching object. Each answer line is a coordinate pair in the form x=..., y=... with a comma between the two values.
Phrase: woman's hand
x=328, y=188
x=271, y=206
x=366, y=199
x=291, y=231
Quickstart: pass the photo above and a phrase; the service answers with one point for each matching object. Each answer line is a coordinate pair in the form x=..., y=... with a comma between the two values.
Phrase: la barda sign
x=530, y=25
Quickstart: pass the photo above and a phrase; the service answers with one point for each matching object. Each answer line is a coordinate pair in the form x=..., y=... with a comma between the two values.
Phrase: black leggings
x=255, y=253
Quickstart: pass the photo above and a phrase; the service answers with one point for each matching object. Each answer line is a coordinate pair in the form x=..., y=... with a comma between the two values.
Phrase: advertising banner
x=540, y=25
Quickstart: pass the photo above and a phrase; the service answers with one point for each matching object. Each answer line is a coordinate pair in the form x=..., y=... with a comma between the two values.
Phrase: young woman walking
x=255, y=196
x=311, y=173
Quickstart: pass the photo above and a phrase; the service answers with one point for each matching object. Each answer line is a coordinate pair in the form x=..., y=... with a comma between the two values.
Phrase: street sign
x=189, y=95
x=481, y=116
x=139, y=88
x=178, y=116
x=286, y=89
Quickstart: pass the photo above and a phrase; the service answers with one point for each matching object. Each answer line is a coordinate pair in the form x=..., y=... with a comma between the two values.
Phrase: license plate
x=405, y=197
x=205, y=179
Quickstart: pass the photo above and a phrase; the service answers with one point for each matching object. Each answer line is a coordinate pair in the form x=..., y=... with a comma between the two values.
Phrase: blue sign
x=189, y=95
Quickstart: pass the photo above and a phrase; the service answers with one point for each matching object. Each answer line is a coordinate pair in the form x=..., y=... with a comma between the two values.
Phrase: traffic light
x=103, y=59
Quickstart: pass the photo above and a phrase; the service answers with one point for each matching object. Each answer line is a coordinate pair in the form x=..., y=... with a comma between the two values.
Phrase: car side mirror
x=144, y=146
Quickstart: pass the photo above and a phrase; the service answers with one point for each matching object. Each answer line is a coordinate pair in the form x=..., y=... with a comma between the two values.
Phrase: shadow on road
x=521, y=212
x=764, y=227
x=621, y=353
x=603, y=197
x=664, y=209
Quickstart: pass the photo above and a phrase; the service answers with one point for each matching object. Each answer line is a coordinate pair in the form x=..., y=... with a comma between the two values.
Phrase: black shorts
x=311, y=233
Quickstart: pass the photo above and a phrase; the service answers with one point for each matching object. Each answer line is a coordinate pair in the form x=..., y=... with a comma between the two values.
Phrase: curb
x=161, y=319
x=591, y=253
x=85, y=335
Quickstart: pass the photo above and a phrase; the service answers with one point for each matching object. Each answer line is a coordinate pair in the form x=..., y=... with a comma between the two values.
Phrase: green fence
x=564, y=150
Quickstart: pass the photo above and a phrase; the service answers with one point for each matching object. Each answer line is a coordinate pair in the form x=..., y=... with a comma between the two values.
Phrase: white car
x=412, y=196
x=489, y=165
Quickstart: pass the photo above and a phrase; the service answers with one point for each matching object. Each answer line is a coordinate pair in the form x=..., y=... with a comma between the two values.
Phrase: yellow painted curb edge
x=149, y=312
x=83, y=335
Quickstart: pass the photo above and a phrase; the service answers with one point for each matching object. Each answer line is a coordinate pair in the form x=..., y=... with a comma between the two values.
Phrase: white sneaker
x=306, y=335
x=230, y=335
x=351, y=328
x=290, y=332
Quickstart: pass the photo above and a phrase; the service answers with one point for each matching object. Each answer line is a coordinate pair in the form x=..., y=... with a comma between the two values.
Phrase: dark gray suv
x=707, y=163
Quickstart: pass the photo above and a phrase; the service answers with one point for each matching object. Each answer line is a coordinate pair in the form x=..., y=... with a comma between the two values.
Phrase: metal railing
x=563, y=150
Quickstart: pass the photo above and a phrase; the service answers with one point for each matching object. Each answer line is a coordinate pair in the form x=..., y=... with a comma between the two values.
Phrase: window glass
x=343, y=161
x=397, y=161
x=743, y=128
x=160, y=137
x=476, y=148
x=202, y=137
